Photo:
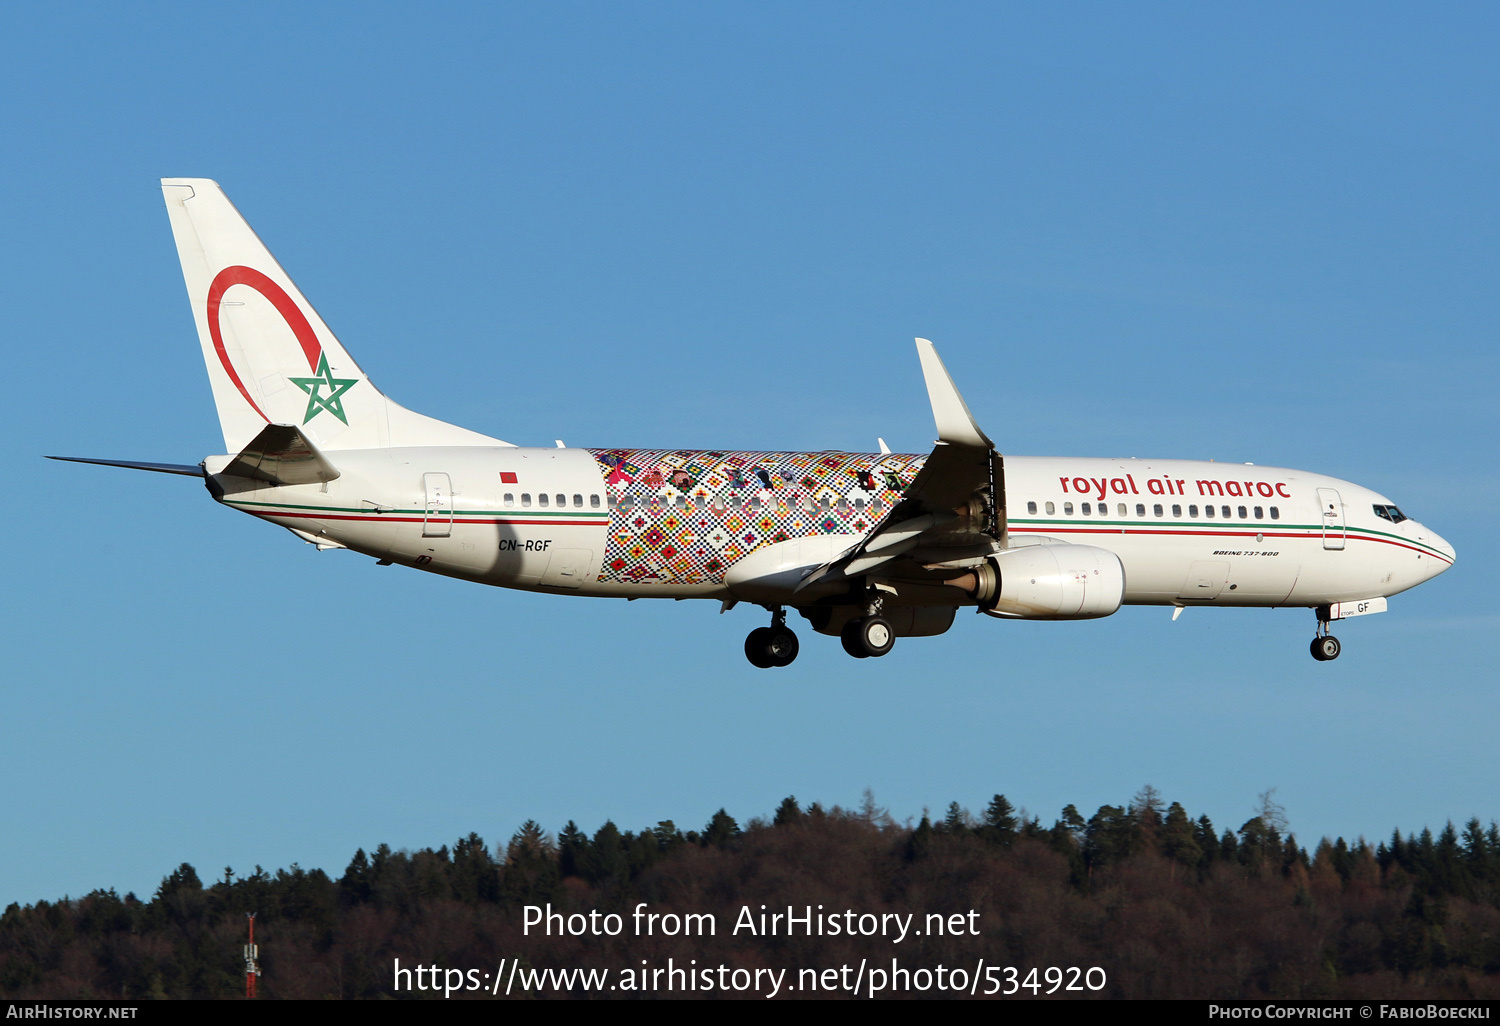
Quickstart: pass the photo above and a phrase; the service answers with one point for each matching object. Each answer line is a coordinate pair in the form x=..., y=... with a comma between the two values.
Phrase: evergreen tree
x=721, y=830
x=474, y=876
x=572, y=847
x=1207, y=841
x=920, y=841
x=1228, y=848
x=789, y=813
x=999, y=822
x=605, y=859
x=1179, y=840
x=1073, y=820
x=1110, y=837
x=530, y=843
x=354, y=885
x=1146, y=810
x=668, y=836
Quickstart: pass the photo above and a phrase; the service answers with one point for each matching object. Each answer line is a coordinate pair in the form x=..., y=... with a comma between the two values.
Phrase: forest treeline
x=1167, y=905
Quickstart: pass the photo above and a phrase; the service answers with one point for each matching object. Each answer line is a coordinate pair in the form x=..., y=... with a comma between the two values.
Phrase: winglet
x=955, y=424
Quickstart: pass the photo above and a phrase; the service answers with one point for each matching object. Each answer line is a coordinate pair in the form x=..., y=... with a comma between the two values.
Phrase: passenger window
x=1120, y=508
x=1243, y=513
x=1275, y=513
x=562, y=502
x=1104, y=509
x=1031, y=508
x=681, y=500
x=1260, y=513
x=1085, y=509
x=1068, y=508
x=1225, y=511
x=1193, y=512
x=510, y=498
x=860, y=504
x=1140, y=509
x=526, y=499
x=699, y=501
x=593, y=502
x=1208, y=511
x=755, y=502
x=541, y=500
x=1157, y=509
x=578, y=501
x=735, y=500
x=1051, y=509
x=1176, y=510
x=842, y=504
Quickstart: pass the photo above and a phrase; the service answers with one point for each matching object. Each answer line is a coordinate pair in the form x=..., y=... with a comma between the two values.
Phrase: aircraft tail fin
x=271, y=359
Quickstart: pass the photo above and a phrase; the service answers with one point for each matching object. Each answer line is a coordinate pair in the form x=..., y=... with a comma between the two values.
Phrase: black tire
x=876, y=635
x=758, y=648
x=1326, y=648
x=849, y=635
x=781, y=646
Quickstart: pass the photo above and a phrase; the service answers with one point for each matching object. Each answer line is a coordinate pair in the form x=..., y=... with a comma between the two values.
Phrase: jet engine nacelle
x=1050, y=582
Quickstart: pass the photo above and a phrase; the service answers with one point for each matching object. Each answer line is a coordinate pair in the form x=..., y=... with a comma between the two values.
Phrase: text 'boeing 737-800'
x=868, y=547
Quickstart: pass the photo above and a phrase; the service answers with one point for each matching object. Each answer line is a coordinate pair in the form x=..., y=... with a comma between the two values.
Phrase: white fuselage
x=613, y=523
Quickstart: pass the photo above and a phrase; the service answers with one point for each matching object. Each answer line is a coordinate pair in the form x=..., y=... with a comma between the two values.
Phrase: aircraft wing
x=954, y=505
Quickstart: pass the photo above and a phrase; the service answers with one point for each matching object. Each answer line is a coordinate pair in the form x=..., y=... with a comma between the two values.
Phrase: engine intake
x=1048, y=582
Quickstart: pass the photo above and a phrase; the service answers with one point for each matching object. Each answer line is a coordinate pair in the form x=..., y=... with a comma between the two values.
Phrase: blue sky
x=1168, y=230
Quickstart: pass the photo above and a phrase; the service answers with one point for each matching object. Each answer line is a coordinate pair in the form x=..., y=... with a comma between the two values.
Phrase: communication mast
x=252, y=965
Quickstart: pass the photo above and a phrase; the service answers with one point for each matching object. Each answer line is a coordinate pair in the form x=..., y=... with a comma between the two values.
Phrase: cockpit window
x=1381, y=513
x=1390, y=513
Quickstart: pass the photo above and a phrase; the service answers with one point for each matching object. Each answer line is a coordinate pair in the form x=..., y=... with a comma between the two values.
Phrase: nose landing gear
x=1325, y=646
x=775, y=645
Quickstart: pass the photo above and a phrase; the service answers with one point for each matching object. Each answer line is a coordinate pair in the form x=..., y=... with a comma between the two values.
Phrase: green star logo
x=331, y=402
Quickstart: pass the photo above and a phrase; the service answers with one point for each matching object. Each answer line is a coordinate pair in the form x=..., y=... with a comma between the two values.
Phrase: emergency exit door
x=437, y=518
x=1333, y=518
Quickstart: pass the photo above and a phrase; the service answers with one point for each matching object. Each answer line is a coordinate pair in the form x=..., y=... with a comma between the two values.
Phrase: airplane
x=867, y=547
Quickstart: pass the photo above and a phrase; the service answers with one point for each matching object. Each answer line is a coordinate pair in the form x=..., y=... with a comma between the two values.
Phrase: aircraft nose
x=1438, y=565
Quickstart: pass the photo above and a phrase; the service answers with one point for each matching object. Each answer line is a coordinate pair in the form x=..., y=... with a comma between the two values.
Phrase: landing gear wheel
x=766, y=647
x=849, y=635
x=1326, y=648
x=758, y=648
x=870, y=636
x=782, y=646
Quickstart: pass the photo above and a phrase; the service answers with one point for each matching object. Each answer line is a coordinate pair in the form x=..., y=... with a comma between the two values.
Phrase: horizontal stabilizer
x=282, y=455
x=185, y=469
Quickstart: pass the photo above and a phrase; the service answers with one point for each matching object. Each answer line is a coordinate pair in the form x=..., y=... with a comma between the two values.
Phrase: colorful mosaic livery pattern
x=686, y=516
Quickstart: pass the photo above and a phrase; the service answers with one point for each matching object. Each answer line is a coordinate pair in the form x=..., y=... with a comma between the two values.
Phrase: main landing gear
x=868, y=636
x=1325, y=646
x=871, y=634
x=775, y=645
